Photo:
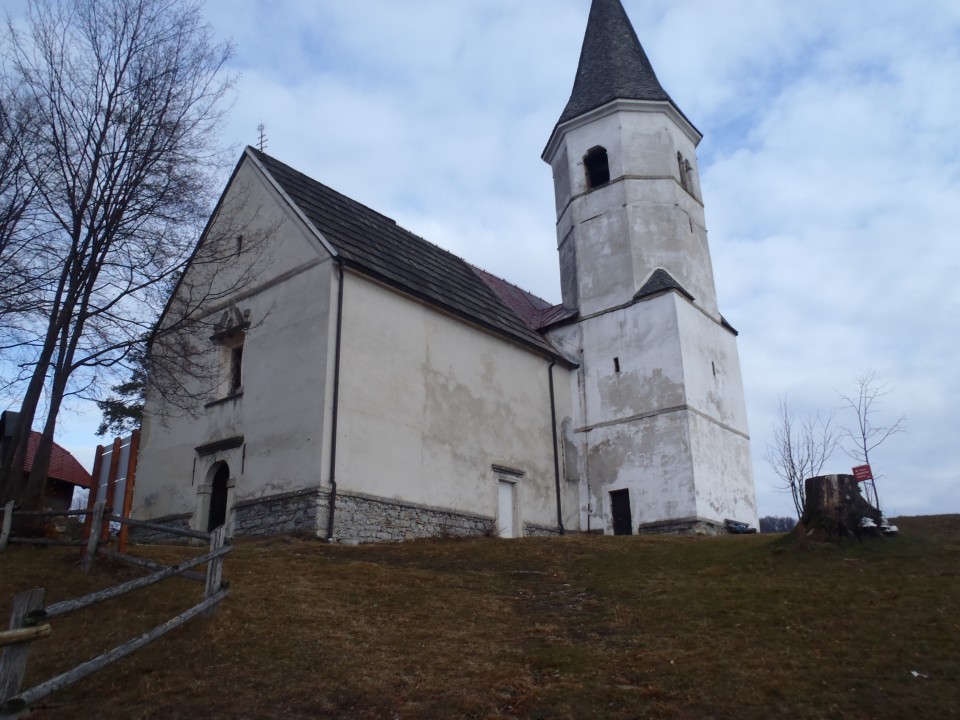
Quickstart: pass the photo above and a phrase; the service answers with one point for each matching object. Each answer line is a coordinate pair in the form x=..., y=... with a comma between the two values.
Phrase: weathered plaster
x=429, y=405
x=282, y=424
x=658, y=397
x=641, y=220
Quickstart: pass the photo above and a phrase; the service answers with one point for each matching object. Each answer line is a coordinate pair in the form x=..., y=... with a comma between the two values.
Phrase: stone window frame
x=205, y=490
x=230, y=333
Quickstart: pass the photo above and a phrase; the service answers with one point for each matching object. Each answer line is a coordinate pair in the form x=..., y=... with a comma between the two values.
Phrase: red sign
x=862, y=472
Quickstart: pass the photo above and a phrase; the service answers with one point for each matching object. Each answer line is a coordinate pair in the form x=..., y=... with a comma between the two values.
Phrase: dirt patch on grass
x=553, y=628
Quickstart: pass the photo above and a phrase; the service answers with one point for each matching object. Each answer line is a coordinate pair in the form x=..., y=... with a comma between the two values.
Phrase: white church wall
x=650, y=457
x=280, y=411
x=711, y=368
x=632, y=428
x=254, y=239
x=429, y=405
x=641, y=138
x=725, y=487
x=668, y=230
x=719, y=434
x=632, y=361
x=644, y=216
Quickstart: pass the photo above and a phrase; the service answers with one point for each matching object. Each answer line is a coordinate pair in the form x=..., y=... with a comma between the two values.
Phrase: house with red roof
x=65, y=473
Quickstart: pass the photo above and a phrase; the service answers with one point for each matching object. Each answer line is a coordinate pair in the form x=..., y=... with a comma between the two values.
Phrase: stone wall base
x=284, y=514
x=683, y=526
x=358, y=519
x=364, y=518
x=531, y=530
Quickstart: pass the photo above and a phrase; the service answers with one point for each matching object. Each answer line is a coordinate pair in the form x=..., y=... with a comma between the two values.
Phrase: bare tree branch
x=866, y=436
x=124, y=100
x=798, y=453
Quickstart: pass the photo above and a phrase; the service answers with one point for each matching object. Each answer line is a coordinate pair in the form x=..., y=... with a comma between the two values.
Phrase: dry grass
x=578, y=627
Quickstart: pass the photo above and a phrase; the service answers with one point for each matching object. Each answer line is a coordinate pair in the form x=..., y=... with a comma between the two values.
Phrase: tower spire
x=613, y=64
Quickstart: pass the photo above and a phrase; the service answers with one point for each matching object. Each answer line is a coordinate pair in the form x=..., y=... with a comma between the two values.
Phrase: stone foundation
x=363, y=518
x=683, y=526
x=284, y=514
x=531, y=530
x=358, y=519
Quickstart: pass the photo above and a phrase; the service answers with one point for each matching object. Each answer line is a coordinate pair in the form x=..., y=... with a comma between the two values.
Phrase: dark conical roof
x=613, y=64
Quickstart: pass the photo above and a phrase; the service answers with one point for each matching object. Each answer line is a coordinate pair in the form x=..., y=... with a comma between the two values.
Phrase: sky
x=830, y=172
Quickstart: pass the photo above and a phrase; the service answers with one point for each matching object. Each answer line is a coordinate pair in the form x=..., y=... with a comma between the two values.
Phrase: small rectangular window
x=236, y=369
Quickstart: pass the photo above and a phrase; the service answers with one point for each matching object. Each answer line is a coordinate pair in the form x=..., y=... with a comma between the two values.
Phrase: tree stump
x=833, y=508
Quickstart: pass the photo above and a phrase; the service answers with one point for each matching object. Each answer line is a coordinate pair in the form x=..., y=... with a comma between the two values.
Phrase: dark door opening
x=218, y=498
x=620, y=509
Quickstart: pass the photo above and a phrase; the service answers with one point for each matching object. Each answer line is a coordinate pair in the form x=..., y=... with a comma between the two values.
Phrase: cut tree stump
x=833, y=508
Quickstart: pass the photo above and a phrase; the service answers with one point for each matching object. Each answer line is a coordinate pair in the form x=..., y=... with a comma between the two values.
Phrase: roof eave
x=620, y=105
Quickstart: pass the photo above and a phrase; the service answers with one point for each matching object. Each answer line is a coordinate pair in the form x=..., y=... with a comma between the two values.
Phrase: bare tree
x=866, y=436
x=20, y=269
x=797, y=453
x=128, y=96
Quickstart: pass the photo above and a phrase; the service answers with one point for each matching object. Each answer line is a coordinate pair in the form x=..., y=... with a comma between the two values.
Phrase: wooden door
x=505, y=509
x=218, y=498
x=620, y=510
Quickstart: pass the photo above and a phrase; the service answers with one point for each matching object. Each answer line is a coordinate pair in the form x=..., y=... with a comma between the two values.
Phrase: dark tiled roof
x=536, y=312
x=63, y=465
x=659, y=282
x=613, y=64
x=378, y=247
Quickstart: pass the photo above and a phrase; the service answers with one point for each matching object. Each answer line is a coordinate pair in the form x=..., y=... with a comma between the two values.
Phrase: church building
x=358, y=383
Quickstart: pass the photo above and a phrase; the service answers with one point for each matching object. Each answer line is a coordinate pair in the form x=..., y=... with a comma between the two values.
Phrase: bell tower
x=662, y=429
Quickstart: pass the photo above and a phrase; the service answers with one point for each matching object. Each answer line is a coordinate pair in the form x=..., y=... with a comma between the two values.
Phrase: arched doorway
x=218, y=496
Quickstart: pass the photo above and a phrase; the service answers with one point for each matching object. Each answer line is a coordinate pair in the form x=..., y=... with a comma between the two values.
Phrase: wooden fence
x=30, y=620
x=114, y=476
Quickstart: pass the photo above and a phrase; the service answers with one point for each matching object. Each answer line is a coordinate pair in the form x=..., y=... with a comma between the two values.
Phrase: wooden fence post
x=215, y=566
x=112, y=485
x=91, y=552
x=7, y=525
x=13, y=661
x=92, y=500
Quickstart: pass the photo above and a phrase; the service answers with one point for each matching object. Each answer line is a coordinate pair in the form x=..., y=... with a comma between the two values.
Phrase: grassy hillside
x=578, y=627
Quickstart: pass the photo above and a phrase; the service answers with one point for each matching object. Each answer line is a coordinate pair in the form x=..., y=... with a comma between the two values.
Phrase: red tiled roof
x=535, y=312
x=63, y=465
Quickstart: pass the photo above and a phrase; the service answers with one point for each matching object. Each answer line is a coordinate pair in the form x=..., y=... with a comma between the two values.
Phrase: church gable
x=254, y=237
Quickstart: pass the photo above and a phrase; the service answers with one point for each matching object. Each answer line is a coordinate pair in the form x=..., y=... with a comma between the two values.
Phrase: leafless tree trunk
x=800, y=452
x=121, y=151
x=866, y=436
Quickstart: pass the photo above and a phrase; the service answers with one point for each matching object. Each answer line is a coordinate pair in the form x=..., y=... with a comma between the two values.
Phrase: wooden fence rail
x=38, y=692
x=183, y=532
x=95, y=598
x=6, y=528
x=146, y=563
x=28, y=621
